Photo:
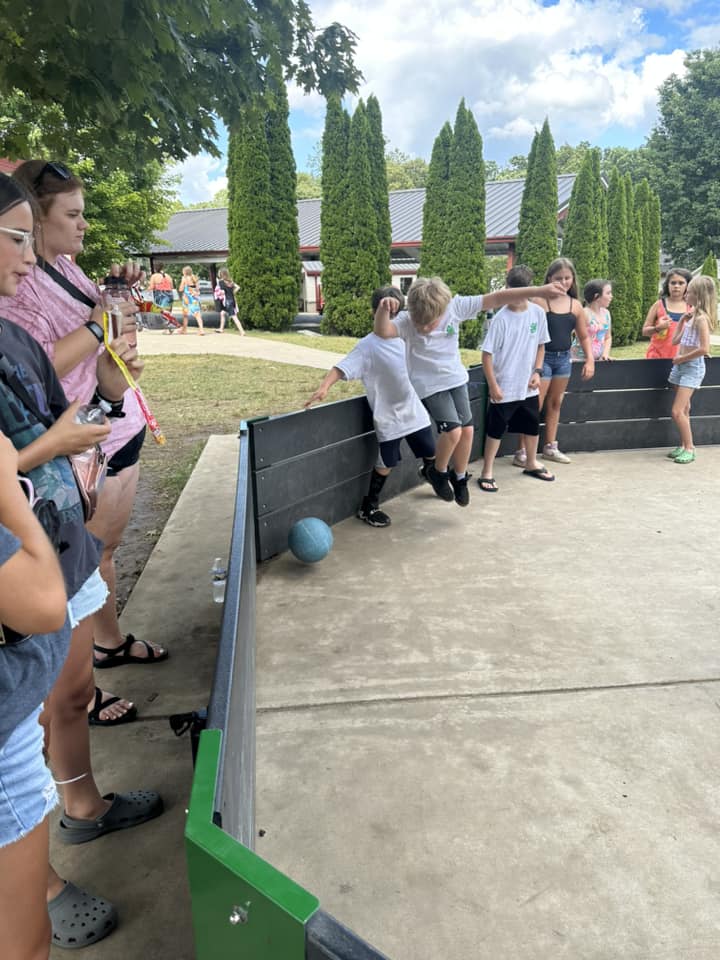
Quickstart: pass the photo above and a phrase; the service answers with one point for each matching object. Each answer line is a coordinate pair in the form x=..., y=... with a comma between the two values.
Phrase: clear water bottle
x=89, y=413
x=218, y=574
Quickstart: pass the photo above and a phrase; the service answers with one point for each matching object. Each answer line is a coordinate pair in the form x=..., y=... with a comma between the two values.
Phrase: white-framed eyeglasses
x=28, y=238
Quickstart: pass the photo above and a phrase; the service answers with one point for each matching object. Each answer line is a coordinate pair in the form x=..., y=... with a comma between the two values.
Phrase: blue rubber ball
x=310, y=539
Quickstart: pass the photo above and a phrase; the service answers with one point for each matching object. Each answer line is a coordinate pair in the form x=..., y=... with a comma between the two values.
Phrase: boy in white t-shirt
x=512, y=359
x=429, y=328
x=397, y=411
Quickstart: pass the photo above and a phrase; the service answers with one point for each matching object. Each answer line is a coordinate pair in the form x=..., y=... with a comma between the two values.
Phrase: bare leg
x=199, y=321
x=531, y=444
x=461, y=454
x=491, y=448
x=24, y=921
x=681, y=416
x=236, y=321
x=223, y=319
x=446, y=444
x=108, y=524
x=544, y=387
x=553, y=402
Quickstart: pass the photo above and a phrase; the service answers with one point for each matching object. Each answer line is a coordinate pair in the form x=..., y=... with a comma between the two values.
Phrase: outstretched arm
x=332, y=377
x=384, y=326
x=502, y=297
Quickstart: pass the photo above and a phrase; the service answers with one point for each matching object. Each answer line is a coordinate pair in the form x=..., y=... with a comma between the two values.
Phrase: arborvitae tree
x=582, y=235
x=536, y=244
x=648, y=210
x=250, y=248
x=379, y=187
x=434, y=234
x=465, y=216
x=334, y=210
x=709, y=267
x=618, y=263
x=283, y=275
x=601, y=200
x=361, y=255
x=635, y=260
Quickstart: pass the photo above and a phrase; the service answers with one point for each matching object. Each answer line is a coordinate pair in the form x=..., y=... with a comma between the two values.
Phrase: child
x=512, y=359
x=664, y=315
x=397, y=411
x=429, y=328
x=688, y=371
x=225, y=301
x=597, y=297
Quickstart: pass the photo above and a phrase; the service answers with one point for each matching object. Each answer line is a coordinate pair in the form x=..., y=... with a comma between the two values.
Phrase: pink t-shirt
x=49, y=313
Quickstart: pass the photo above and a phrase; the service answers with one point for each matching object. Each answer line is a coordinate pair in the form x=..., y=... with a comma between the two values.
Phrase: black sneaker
x=370, y=514
x=460, y=488
x=422, y=473
x=440, y=483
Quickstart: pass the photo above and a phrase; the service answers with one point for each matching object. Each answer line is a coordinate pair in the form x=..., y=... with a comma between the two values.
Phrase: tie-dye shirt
x=49, y=313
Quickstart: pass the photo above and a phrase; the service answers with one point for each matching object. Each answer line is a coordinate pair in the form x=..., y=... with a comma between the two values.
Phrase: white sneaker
x=520, y=459
x=551, y=452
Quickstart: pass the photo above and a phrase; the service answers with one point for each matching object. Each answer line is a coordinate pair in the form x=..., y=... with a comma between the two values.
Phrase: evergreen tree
x=434, y=234
x=709, y=267
x=465, y=216
x=334, y=210
x=361, y=255
x=250, y=248
x=536, y=244
x=582, y=234
x=618, y=263
x=379, y=187
x=601, y=200
x=635, y=260
x=648, y=210
x=283, y=275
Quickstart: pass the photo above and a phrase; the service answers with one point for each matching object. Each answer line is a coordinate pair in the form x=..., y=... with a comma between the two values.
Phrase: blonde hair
x=224, y=274
x=427, y=300
x=705, y=292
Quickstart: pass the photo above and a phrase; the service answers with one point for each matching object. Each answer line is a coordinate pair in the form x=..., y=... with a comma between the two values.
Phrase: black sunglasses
x=58, y=170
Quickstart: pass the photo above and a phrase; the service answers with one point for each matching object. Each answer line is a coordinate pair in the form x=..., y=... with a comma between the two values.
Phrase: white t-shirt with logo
x=513, y=339
x=381, y=365
x=433, y=358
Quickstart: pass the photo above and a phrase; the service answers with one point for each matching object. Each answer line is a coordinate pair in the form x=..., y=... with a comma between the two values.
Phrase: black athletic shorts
x=128, y=455
x=517, y=416
x=422, y=444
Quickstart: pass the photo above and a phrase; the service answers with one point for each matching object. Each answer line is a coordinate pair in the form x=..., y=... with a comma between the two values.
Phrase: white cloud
x=200, y=177
x=591, y=66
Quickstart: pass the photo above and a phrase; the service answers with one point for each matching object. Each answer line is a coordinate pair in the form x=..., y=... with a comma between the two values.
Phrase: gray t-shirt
x=513, y=339
x=27, y=669
x=380, y=364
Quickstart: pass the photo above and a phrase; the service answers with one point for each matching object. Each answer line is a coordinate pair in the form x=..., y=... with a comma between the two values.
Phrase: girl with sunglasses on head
x=58, y=305
x=37, y=419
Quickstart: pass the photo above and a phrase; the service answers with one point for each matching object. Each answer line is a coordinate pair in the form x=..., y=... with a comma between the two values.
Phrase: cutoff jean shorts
x=556, y=365
x=690, y=374
x=27, y=790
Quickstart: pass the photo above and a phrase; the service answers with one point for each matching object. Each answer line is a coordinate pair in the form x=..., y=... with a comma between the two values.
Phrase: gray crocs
x=126, y=810
x=79, y=919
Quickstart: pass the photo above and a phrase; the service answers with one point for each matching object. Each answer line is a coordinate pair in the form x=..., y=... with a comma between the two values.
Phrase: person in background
x=664, y=315
x=225, y=301
x=190, y=297
x=161, y=286
x=597, y=297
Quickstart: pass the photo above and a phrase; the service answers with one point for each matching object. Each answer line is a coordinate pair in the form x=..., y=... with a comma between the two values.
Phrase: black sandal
x=119, y=656
x=487, y=484
x=94, y=718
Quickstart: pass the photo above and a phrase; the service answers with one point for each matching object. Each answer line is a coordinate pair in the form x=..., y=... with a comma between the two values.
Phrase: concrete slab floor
x=489, y=732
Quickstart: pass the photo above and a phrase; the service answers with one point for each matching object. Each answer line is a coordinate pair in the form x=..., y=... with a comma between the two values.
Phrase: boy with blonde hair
x=430, y=328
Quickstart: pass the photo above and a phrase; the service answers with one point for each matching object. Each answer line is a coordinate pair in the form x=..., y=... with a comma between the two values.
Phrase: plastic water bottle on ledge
x=218, y=573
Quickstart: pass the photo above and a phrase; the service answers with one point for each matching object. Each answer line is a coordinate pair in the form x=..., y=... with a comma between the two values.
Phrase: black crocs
x=126, y=810
x=79, y=919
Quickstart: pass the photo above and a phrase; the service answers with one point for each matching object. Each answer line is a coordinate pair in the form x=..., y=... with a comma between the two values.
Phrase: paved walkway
x=157, y=342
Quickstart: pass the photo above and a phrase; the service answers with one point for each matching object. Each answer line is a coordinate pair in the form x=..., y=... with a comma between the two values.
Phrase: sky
x=591, y=66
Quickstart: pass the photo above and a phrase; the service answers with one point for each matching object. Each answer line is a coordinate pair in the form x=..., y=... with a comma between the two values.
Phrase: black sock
x=428, y=462
x=377, y=482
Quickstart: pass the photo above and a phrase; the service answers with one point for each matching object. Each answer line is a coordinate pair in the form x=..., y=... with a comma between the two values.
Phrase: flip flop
x=487, y=484
x=78, y=918
x=540, y=473
x=126, y=810
x=119, y=656
x=100, y=705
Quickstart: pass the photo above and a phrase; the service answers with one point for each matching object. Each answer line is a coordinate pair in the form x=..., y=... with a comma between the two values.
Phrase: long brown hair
x=40, y=181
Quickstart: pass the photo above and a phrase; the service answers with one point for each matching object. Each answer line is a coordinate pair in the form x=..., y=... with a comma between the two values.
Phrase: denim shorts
x=88, y=600
x=556, y=364
x=27, y=791
x=690, y=374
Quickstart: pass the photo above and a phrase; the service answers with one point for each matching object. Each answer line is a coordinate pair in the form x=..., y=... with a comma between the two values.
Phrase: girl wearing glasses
x=30, y=397
x=57, y=304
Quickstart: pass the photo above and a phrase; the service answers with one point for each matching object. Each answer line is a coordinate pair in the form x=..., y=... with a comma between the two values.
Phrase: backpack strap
x=67, y=285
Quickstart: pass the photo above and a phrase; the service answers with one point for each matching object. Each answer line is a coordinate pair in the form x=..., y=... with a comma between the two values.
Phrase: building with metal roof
x=201, y=236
